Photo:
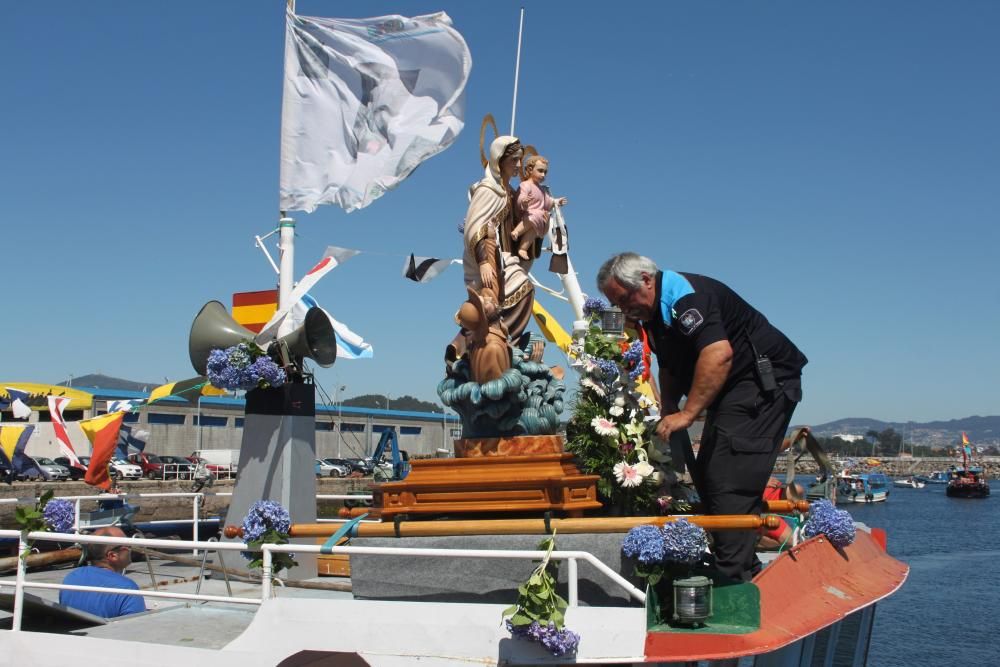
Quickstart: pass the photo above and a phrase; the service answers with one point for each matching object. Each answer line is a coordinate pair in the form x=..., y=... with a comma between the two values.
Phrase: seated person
x=107, y=562
x=774, y=538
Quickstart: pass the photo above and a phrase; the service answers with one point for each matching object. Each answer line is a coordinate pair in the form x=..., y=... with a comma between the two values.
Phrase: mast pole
x=517, y=71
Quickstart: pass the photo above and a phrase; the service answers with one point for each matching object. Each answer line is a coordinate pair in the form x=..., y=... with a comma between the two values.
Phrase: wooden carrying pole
x=771, y=506
x=522, y=526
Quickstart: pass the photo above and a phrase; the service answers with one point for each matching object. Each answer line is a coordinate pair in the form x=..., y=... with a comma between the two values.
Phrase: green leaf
x=521, y=619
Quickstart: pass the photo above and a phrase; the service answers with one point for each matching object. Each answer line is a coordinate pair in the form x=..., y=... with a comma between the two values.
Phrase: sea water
x=948, y=610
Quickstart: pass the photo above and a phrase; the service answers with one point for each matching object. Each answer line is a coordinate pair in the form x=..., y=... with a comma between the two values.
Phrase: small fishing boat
x=866, y=487
x=936, y=477
x=968, y=481
x=910, y=482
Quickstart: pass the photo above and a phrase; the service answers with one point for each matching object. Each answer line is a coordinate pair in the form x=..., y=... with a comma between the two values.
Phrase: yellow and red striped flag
x=254, y=309
x=102, y=432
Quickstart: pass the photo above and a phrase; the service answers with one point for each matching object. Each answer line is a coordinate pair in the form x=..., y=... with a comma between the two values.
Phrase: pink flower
x=632, y=475
x=604, y=426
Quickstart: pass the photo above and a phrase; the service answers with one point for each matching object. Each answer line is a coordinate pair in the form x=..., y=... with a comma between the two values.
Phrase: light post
x=199, y=425
x=339, y=400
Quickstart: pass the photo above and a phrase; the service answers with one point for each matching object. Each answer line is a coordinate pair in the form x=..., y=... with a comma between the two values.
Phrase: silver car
x=54, y=471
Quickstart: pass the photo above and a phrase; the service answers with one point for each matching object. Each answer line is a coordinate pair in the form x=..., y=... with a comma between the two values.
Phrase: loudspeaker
x=213, y=328
x=315, y=339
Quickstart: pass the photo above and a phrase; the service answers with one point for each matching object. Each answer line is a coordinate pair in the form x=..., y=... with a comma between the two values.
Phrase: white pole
x=287, y=273
x=22, y=548
x=195, y=518
x=199, y=425
x=517, y=72
x=340, y=419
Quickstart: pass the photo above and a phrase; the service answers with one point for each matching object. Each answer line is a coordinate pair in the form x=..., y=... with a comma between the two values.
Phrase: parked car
x=52, y=469
x=363, y=466
x=125, y=470
x=178, y=465
x=162, y=467
x=74, y=472
x=346, y=465
x=332, y=469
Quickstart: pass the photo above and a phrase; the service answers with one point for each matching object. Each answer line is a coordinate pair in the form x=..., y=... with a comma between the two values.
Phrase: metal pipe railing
x=267, y=553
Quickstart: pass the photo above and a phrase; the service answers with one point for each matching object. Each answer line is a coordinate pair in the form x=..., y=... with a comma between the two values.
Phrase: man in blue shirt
x=107, y=562
x=727, y=359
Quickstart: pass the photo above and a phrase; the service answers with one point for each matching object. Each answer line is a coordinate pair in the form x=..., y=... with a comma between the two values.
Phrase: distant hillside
x=107, y=382
x=981, y=430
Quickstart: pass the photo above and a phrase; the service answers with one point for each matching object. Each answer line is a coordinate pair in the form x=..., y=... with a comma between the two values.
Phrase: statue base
x=492, y=475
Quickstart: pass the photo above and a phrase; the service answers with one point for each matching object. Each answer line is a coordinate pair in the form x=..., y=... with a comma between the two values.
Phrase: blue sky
x=838, y=164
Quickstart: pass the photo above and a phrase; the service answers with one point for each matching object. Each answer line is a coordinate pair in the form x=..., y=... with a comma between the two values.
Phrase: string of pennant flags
x=107, y=434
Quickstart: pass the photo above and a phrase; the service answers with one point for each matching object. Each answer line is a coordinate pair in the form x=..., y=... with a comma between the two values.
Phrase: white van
x=221, y=462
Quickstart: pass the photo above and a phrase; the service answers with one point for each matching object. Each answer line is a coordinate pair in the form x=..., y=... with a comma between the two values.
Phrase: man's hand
x=678, y=421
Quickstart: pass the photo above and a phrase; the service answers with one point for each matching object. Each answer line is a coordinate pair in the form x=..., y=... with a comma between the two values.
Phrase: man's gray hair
x=627, y=268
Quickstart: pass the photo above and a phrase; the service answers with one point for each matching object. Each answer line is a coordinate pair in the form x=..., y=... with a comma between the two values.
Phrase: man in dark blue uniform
x=716, y=349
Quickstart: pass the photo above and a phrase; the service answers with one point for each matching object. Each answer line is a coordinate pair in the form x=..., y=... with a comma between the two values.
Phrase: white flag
x=365, y=101
x=323, y=267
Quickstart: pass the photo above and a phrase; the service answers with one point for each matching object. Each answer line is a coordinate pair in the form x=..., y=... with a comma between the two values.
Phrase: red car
x=162, y=467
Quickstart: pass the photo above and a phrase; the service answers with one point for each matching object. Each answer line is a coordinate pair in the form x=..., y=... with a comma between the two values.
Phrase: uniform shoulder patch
x=689, y=321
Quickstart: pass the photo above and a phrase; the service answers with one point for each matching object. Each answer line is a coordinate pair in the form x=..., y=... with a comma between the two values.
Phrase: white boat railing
x=268, y=550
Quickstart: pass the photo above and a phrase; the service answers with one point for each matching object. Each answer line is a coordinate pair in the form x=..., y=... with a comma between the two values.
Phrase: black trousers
x=739, y=446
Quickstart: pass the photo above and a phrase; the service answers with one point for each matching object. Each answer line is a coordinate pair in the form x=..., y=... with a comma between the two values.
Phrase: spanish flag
x=255, y=309
x=102, y=432
x=965, y=438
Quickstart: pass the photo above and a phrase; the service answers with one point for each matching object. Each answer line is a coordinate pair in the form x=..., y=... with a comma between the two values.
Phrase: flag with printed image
x=57, y=404
x=366, y=101
x=13, y=440
x=18, y=403
x=102, y=432
x=425, y=269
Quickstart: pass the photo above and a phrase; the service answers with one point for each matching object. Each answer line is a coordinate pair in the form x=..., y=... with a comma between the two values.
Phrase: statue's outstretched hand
x=487, y=275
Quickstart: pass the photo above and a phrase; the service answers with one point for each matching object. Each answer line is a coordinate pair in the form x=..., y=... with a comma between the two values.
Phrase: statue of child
x=533, y=205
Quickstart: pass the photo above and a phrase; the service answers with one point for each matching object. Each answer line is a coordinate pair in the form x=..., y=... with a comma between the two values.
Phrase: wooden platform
x=487, y=483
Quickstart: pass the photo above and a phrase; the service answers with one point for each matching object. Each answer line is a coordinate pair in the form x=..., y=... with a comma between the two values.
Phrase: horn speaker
x=315, y=339
x=214, y=328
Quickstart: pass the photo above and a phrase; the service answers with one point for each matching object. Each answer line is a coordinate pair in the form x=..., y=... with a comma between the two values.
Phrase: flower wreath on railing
x=54, y=516
x=609, y=432
x=539, y=613
x=267, y=522
x=244, y=366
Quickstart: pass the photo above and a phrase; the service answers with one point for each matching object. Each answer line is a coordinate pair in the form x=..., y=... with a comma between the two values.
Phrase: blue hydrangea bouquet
x=267, y=522
x=679, y=544
x=245, y=366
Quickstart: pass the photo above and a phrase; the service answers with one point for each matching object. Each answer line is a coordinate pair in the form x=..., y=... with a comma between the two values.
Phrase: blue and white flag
x=125, y=405
x=130, y=441
x=349, y=344
x=365, y=102
x=18, y=403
